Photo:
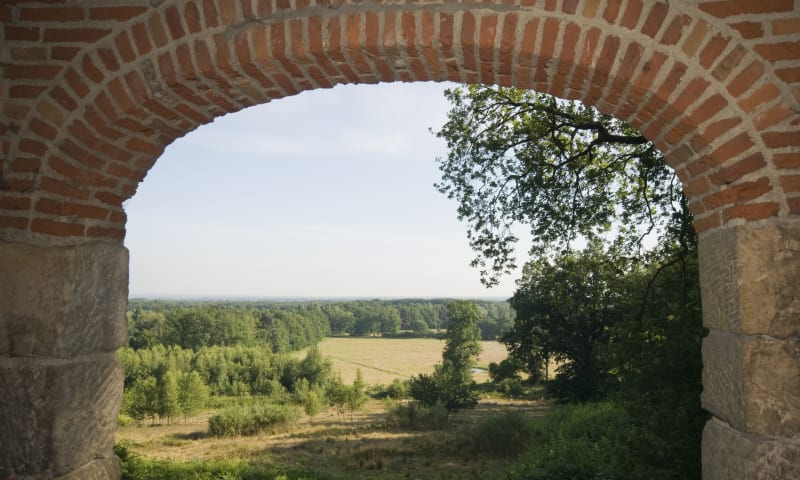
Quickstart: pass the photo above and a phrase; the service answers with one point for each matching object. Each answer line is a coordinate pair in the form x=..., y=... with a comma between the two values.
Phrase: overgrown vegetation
x=251, y=419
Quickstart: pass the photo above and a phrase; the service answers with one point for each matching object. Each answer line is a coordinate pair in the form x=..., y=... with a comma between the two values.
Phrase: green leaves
x=564, y=169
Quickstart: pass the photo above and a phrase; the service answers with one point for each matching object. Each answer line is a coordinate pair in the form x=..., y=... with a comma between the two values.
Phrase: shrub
x=416, y=416
x=511, y=387
x=504, y=435
x=251, y=419
x=506, y=369
x=592, y=441
x=398, y=389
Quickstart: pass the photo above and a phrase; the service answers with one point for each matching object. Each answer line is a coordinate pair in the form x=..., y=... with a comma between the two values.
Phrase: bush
x=416, y=416
x=251, y=419
x=592, y=441
x=125, y=420
x=506, y=369
x=504, y=435
x=511, y=387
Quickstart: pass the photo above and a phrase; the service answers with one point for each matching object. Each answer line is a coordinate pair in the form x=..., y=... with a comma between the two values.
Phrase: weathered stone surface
x=106, y=469
x=57, y=415
x=753, y=382
x=749, y=277
x=732, y=455
x=62, y=301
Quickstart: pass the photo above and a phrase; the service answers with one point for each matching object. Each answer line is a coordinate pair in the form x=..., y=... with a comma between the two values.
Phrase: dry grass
x=361, y=448
x=381, y=360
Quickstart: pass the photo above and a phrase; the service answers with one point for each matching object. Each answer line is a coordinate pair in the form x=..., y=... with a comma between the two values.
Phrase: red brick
x=790, y=183
x=156, y=28
x=28, y=54
x=14, y=202
x=51, y=14
x=31, y=72
x=773, y=116
x=26, y=91
x=655, y=19
x=18, y=223
x=52, y=185
x=786, y=26
x=119, y=14
x=25, y=164
x=789, y=75
x=109, y=198
x=713, y=50
x=210, y=13
x=729, y=63
x=763, y=95
x=82, y=35
x=141, y=38
x=794, y=205
x=786, y=160
x=611, y=11
x=674, y=32
x=710, y=107
x=746, y=79
x=124, y=47
x=174, y=23
x=725, y=8
x=749, y=30
x=781, y=139
x=22, y=33
x=70, y=209
x=43, y=129
x=707, y=223
x=776, y=52
x=750, y=211
x=60, y=229
x=64, y=53
x=191, y=15
x=732, y=173
x=632, y=13
x=694, y=40
x=738, y=194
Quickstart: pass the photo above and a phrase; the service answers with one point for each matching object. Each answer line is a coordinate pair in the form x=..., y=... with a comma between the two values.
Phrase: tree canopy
x=564, y=169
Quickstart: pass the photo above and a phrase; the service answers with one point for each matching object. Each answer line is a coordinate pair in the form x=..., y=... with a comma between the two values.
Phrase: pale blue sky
x=325, y=194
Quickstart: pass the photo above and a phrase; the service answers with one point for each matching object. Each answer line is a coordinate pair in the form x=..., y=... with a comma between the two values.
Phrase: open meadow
x=382, y=360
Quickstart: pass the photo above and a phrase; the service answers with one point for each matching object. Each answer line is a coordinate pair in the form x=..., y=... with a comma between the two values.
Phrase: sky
x=325, y=194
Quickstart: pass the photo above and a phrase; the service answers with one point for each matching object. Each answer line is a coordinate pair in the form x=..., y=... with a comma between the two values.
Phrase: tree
x=451, y=382
x=192, y=394
x=168, y=394
x=562, y=168
x=356, y=395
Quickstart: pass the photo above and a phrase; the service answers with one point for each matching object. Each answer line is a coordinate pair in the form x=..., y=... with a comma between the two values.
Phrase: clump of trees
x=611, y=293
x=451, y=383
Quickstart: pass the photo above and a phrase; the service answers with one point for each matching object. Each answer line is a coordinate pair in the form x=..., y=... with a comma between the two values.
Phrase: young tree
x=356, y=395
x=192, y=394
x=451, y=382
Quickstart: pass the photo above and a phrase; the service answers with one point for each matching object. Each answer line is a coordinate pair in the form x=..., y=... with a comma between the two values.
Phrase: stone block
x=62, y=301
x=106, y=469
x=57, y=415
x=732, y=455
x=753, y=382
x=750, y=280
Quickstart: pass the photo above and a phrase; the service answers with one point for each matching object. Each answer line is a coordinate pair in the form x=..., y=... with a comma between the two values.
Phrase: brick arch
x=92, y=94
x=708, y=99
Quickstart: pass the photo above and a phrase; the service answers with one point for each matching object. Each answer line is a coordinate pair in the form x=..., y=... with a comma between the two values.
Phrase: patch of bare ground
x=361, y=447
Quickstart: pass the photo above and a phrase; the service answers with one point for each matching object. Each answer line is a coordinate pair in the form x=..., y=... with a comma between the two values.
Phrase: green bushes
x=415, y=416
x=592, y=441
x=251, y=419
x=503, y=435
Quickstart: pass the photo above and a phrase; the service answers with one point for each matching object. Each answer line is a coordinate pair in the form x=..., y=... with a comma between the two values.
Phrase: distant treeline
x=290, y=326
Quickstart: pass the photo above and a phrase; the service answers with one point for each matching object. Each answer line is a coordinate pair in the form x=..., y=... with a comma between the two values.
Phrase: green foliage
x=251, y=419
x=192, y=394
x=398, y=389
x=416, y=416
x=560, y=167
x=451, y=383
x=507, y=369
x=592, y=441
x=503, y=435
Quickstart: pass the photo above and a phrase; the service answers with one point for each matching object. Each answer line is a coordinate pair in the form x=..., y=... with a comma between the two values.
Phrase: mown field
x=382, y=360
x=363, y=446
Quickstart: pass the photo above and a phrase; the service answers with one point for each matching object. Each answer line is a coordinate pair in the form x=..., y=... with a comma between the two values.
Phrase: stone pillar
x=62, y=317
x=751, y=357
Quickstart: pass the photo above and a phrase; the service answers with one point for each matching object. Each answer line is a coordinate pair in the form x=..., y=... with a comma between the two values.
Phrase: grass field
x=362, y=447
x=381, y=360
